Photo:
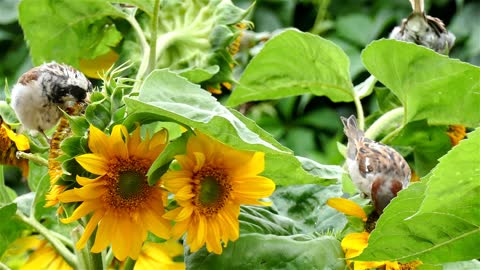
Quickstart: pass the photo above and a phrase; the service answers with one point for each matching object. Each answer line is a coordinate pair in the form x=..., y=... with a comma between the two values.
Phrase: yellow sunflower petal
x=90, y=191
x=264, y=187
x=254, y=164
x=102, y=236
x=347, y=207
x=180, y=228
x=119, y=134
x=184, y=193
x=213, y=236
x=84, y=209
x=158, y=140
x=355, y=241
x=69, y=196
x=20, y=140
x=93, y=163
x=156, y=224
x=91, y=225
x=98, y=142
x=86, y=181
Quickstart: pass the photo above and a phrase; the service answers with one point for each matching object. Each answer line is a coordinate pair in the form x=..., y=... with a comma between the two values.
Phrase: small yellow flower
x=160, y=256
x=123, y=205
x=41, y=255
x=213, y=182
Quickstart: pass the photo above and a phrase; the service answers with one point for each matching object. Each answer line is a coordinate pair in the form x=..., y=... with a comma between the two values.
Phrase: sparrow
x=41, y=94
x=377, y=170
x=424, y=30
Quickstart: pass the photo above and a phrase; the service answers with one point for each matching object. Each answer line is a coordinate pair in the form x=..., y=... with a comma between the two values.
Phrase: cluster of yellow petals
x=214, y=180
x=119, y=200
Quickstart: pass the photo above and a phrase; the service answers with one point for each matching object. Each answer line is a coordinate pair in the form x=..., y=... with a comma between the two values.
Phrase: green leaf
x=169, y=97
x=306, y=205
x=254, y=219
x=7, y=194
x=428, y=144
x=161, y=164
x=429, y=85
x=10, y=227
x=257, y=251
x=295, y=63
x=67, y=31
x=7, y=114
x=447, y=202
x=199, y=75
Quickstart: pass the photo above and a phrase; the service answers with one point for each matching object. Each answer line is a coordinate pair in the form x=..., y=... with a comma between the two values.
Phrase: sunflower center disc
x=210, y=191
x=130, y=184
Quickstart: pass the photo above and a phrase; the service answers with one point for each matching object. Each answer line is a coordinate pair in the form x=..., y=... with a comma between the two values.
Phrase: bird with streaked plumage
x=377, y=170
x=41, y=94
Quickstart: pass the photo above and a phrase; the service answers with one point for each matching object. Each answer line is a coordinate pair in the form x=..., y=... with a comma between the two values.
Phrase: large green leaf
x=429, y=85
x=295, y=63
x=10, y=228
x=167, y=96
x=67, y=31
x=259, y=252
x=438, y=220
x=306, y=205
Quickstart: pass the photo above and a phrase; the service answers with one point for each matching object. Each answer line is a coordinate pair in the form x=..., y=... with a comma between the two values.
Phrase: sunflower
x=214, y=180
x=160, y=256
x=122, y=203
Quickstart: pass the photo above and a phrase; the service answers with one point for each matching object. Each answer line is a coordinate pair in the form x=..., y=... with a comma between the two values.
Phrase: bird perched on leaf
x=42, y=92
x=424, y=30
x=376, y=169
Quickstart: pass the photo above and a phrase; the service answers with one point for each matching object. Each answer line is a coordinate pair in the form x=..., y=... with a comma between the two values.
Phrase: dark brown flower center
x=130, y=184
x=212, y=191
x=127, y=184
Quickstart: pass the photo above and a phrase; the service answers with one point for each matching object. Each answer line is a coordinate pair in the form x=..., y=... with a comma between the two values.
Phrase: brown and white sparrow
x=42, y=91
x=376, y=169
x=424, y=30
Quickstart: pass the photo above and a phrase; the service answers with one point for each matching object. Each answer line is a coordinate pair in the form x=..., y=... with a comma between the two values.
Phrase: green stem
x=4, y=267
x=67, y=242
x=145, y=49
x=84, y=260
x=109, y=257
x=153, y=39
x=318, y=28
x=385, y=122
x=391, y=135
x=129, y=264
x=358, y=106
x=57, y=244
x=32, y=157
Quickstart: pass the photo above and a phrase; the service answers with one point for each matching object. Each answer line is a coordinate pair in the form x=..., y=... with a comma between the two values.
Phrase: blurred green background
x=308, y=125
